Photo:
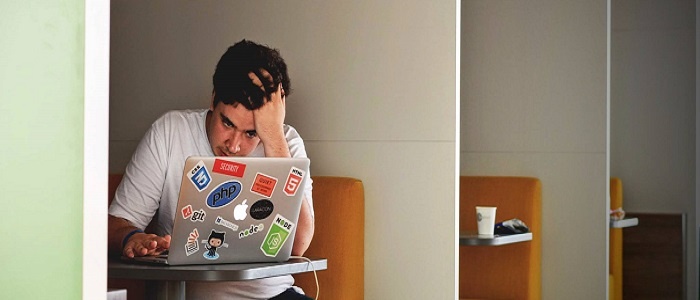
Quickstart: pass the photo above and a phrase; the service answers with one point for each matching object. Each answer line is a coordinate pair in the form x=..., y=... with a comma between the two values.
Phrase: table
x=629, y=222
x=472, y=239
x=169, y=281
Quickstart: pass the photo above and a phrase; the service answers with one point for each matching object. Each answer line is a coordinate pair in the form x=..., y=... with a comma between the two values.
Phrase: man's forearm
x=305, y=230
x=117, y=229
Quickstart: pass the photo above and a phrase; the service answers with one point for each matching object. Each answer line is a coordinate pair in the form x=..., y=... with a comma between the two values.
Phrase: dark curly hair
x=232, y=84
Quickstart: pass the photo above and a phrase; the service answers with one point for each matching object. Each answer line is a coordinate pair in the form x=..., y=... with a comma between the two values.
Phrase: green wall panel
x=41, y=148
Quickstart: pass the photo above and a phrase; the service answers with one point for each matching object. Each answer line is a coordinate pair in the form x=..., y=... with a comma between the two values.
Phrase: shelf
x=470, y=239
x=624, y=223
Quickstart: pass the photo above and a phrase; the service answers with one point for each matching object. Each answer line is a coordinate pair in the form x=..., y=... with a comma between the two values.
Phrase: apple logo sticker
x=261, y=209
x=239, y=212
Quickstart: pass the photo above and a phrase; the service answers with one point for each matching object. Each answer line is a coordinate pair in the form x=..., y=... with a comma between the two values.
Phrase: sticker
x=261, y=209
x=293, y=181
x=264, y=185
x=192, y=246
x=199, y=176
x=226, y=223
x=224, y=194
x=215, y=241
x=276, y=236
x=187, y=212
x=250, y=231
x=228, y=168
x=198, y=216
x=239, y=212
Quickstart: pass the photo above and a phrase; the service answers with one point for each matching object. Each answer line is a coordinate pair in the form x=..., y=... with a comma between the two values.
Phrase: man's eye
x=251, y=134
x=227, y=123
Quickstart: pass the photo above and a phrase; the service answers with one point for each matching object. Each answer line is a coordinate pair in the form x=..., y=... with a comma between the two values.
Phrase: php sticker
x=230, y=168
x=293, y=181
x=264, y=185
x=276, y=236
x=199, y=176
x=192, y=245
x=224, y=194
x=261, y=209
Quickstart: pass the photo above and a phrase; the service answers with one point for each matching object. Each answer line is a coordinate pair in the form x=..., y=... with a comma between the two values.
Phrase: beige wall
x=533, y=103
x=652, y=133
x=374, y=98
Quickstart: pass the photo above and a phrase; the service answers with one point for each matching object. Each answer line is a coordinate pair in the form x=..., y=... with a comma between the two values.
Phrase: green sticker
x=276, y=236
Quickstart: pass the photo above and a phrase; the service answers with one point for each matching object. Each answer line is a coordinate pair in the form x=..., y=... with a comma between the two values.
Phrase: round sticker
x=261, y=209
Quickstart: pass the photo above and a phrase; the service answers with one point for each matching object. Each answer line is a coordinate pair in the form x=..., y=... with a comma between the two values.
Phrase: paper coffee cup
x=485, y=219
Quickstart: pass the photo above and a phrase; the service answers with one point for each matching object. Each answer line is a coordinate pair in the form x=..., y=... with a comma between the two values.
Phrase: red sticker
x=293, y=181
x=264, y=185
x=187, y=211
x=228, y=168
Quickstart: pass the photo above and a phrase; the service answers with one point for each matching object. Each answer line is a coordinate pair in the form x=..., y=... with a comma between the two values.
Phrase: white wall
x=374, y=98
x=653, y=113
x=533, y=103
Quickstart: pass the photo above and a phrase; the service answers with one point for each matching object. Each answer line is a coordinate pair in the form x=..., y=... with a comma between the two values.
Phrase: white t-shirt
x=151, y=184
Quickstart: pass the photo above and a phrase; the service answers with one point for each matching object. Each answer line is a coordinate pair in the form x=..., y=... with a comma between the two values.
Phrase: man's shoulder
x=183, y=113
x=184, y=117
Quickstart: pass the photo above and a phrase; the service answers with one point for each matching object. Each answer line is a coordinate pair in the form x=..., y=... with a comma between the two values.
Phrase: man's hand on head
x=144, y=244
x=269, y=120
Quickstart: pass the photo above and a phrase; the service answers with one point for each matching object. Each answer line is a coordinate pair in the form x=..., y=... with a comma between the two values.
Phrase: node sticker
x=264, y=185
x=192, y=245
x=250, y=231
x=199, y=176
x=293, y=181
x=276, y=236
x=228, y=168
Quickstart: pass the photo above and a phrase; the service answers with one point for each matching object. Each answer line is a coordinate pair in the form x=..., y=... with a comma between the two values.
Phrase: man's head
x=244, y=80
x=232, y=81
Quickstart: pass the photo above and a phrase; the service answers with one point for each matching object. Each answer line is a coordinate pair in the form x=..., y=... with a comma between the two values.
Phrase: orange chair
x=337, y=200
x=501, y=272
x=615, y=243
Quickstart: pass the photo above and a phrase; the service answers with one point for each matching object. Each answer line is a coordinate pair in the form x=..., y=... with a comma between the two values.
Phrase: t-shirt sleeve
x=137, y=197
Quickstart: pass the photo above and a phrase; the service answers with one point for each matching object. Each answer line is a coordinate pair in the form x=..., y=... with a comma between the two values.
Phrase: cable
x=318, y=288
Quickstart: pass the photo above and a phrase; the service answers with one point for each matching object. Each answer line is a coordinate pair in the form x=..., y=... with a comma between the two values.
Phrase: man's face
x=231, y=130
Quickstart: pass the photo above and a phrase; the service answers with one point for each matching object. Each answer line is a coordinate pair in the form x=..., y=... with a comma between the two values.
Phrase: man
x=246, y=118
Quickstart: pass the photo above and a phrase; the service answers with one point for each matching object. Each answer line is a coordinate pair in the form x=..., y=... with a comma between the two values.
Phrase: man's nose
x=234, y=143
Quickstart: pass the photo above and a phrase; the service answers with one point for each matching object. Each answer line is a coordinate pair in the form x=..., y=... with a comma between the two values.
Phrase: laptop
x=236, y=210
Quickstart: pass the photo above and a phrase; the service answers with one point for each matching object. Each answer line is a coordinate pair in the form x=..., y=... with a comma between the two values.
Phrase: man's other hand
x=143, y=244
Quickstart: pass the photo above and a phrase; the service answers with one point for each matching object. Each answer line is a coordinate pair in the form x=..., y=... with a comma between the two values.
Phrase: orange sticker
x=264, y=185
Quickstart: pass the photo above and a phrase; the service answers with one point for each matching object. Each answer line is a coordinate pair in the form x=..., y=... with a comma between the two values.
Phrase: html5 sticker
x=293, y=181
x=230, y=168
x=264, y=185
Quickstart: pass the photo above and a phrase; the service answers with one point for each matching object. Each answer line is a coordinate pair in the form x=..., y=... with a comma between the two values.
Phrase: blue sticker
x=224, y=194
x=199, y=176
